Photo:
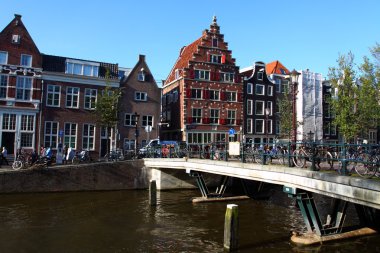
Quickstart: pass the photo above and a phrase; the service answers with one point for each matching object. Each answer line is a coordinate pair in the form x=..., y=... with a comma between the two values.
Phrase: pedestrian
x=4, y=155
x=65, y=149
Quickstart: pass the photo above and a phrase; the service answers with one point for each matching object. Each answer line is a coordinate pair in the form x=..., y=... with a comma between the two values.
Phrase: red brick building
x=203, y=94
x=20, y=88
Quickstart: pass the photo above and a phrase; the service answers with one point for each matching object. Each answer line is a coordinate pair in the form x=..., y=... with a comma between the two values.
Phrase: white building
x=309, y=106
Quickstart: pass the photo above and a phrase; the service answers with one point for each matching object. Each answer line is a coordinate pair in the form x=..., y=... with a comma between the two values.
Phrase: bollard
x=152, y=193
x=231, y=227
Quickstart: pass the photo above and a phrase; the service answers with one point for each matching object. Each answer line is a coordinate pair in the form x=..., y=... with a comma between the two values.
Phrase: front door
x=8, y=141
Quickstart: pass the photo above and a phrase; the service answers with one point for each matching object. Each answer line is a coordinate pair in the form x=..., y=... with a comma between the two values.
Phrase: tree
x=345, y=104
x=285, y=108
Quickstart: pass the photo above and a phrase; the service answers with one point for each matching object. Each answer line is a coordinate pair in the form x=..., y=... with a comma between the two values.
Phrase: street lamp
x=267, y=112
x=294, y=79
x=136, y=117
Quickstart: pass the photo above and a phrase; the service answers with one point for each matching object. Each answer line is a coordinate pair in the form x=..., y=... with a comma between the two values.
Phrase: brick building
x=141, y=96
x=203, y=94
x=20, y=88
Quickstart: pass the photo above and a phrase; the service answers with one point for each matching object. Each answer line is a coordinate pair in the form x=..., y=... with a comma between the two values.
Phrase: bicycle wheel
x=299, y=158
x=282, y=157
x=366, y=166
x=16, y=165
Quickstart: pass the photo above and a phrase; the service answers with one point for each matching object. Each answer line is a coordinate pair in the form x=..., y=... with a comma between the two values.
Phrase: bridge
x=299, y=183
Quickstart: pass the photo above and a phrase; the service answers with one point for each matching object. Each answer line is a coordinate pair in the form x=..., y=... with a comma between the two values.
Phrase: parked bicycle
x=114, y=155
x=82, y=157
x=307, y=153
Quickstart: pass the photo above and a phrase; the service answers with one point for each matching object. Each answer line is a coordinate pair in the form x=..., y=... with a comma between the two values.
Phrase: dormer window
x=260, y=75
x=26, y=60
x=82, y=68
x=16, y=39
x=141, y=75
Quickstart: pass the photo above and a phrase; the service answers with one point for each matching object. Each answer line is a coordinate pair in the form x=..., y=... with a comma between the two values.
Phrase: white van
x=154, y=143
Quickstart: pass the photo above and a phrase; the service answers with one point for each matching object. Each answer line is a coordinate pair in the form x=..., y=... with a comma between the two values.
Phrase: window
x=76, y=67
x=231, y=96
x=26, y=60
x=249, y=106
x=270, y=106
x=51, y=134
x=270, y=90
x=197, y=115
x=327, y=128
x=53, y=95
x=9, y=121
x=278, y=85
x=269, y=126
x=72, y=97
x=3, y=57
x=147, y=120
x=88, y=136
x=227, y=77
x=249, y=88
x=3, y=86
x=90, y=98
x=259, y=106
x=214, y=116
x=202, y=74
x=16, y=39
x=260, y=89
x=333, y=129
x=215, y=58
x=129, y=119
x=196, y=93
x=27, y=130
x=260, y=75
x=259, y=126
x=214, y=95
x=231, y=116
x=214, y=42
x=285, y=86
x=141, y=96
x=141, y=75
x=70, y=135
x=23, y=88
x=249, y=126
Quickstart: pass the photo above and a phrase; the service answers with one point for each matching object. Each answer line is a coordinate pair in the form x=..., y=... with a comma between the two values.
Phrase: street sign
x=231, y=131
x=148, y=129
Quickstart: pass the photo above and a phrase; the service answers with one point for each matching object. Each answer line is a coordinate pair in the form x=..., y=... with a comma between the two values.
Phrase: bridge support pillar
x=203, y=187
x=152, y=193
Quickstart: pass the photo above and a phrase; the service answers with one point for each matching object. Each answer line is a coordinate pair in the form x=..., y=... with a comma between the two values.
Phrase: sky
x=300, y=34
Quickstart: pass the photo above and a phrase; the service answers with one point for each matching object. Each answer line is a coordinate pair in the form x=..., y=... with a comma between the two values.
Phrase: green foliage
x=107, y=106
x=285, y=107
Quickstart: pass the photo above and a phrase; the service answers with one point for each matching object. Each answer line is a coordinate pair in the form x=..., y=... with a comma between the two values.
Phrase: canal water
x=123, y=221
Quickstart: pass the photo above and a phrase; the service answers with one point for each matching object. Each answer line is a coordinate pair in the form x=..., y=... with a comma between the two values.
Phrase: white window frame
x=89, y=137
x=202, y=74
x=215, y=96
x=9, y=121
x=4, y=86
x=270, y=126
x=139, y=97
x=257, y=107
x=28, y=58
x=278, y=85
x=214, y=58
x=129, y=117
x=147, y=120
x=54, y=93
x=270, y=90
x=51, y=137
x=196, y=93
x=249, y=106
x=214, y=116
x=77, y=67
x=24, y=88
x=72, y=138
x=262, y=126
x=231, y=117
x=196, y=114
x=260, y=75
x=249, y=126
x=27, y=123
x=4, y=53
x=74, y=97
x=249, y=88
x=141, y=76
x=262, y=88
x=90, y=99
x=231, y=96
x=270, y=106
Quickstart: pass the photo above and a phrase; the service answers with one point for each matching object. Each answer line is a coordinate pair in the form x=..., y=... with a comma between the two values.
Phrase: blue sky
x=301, y=34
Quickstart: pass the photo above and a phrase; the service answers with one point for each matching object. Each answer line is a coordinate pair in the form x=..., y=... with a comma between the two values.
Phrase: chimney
x=141, y=57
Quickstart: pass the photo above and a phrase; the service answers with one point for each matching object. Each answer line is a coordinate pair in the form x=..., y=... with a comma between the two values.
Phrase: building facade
x=20, y=88
x=141, y=96
x=203, y=94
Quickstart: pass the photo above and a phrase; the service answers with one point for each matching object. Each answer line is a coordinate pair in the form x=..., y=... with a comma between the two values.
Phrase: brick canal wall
x=93, y=176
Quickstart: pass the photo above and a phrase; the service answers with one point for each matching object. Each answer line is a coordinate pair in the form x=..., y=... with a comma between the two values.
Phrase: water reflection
x=123, y=221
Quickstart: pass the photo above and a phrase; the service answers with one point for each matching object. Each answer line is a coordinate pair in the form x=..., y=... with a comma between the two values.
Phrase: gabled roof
x=276, y=67
x=185, y=56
